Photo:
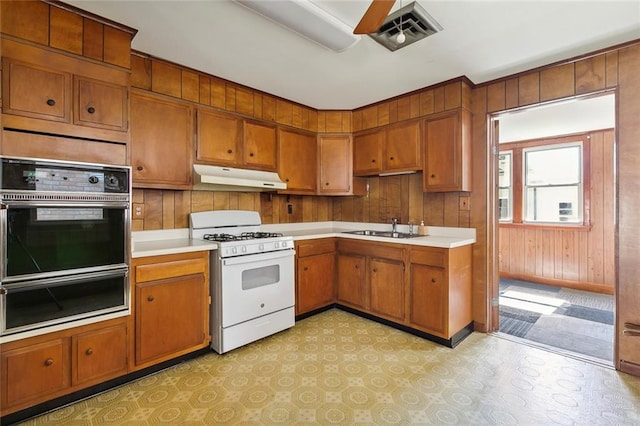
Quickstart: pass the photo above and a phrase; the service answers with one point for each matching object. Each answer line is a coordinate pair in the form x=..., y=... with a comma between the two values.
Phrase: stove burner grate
x=243, y=236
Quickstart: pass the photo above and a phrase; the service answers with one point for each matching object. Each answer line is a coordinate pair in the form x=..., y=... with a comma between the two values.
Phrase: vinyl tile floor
x=568, y=320
x=338, y=368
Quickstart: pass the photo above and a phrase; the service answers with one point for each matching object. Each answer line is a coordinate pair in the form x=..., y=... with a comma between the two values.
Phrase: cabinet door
x=99, y=354
x=403, y=148
x=298, y=161
x=367, y=153
x=34, y=371
x=386, y=279
x=260, y=150
x=100, y=104
x=351, y=280
x=218, y=138
x=161, y=140
x=447, y=153
x=169, y=316
x=428, y=299
x=335, y=154
x=315, y=282
x=35, y=91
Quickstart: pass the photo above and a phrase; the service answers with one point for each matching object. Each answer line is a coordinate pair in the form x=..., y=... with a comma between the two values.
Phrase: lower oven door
x=256, y=285
x=30, y=305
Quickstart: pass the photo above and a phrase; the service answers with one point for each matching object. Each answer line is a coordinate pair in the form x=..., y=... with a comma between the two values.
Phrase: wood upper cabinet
x=351, y=274
x=440, y=290
x=447, y=142
x=367, y=153
x=218, y=138
x=171, y=306
x=161, y=141
x=403, y=147
x=298, y=161
x=35, y=371
x=100, y=104
x=335, y=153
x=260, y=147
x=315, y=274
x=35, y=91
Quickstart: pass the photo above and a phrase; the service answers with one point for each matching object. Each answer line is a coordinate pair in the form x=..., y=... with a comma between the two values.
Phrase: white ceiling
x=483, y=40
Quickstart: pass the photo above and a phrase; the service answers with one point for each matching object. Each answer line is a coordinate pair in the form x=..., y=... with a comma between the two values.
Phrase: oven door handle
x=239, y=260
x=63, y=280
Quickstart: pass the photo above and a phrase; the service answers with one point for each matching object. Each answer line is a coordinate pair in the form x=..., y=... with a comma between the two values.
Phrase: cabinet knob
x=433, y=176
x=326, y=184
x=48, y=362
x=151, y=298
x=91, y=110
x=391, y=158
x=251, y=154
x=89, y=351
x=356, y=266
x=51, y=102
x=229, y=151
x=433, y=280
x=373, y=161
x=140, y=168
x=305, y=268
x=375, y=269
x=287, y=180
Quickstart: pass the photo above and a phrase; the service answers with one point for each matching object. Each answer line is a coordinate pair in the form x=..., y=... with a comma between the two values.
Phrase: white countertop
x=173, y=241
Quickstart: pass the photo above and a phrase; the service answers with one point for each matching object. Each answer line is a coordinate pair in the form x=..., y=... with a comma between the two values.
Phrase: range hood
x=216, y=178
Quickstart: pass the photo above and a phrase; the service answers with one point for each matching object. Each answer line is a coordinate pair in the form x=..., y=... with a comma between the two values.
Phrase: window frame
x=510, y=187
x=518, y=187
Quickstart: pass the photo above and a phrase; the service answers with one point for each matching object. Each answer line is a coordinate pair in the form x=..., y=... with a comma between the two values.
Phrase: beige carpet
x=337, y=368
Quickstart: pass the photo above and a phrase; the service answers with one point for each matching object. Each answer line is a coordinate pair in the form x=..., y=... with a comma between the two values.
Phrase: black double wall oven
x=64, y=242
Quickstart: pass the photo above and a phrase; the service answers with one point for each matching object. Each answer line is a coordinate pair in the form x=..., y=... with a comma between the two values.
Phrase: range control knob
x=244, y=249
x=277, y=244
x=234, y=250
x=261, y=247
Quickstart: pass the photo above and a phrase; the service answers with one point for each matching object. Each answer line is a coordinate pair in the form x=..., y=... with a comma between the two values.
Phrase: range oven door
x=256, y=285
x=28, y=305
x=49, y=239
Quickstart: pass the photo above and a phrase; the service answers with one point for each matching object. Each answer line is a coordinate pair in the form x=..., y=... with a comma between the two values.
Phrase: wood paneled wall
x=580, y=259
x=66, y=28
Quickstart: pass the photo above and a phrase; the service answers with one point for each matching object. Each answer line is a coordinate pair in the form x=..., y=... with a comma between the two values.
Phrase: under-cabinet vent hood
x=215, y=178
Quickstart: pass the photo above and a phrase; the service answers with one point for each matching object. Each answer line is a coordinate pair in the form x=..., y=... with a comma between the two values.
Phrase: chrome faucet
x=394, y=223
x=410, y=228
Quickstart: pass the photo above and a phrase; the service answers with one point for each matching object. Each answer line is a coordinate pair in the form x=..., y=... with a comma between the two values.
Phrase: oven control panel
x=241, y=248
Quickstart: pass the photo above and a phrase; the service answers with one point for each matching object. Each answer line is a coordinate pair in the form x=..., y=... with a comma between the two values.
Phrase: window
x=553, y=184
x=505, y=191
x=543, y=181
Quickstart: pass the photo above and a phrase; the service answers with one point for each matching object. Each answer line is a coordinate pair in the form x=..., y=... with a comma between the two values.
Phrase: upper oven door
x=42, y=240
x=256, y=285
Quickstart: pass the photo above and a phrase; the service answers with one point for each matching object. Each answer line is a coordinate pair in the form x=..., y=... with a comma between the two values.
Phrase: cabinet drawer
x=374, y=249
x=314, y=247
x=34, y=371
x=100, y=353
x=177, y=268
x=429, y=256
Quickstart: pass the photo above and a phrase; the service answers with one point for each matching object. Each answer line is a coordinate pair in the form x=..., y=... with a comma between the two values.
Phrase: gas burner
x=252, y=235
x=222, y=237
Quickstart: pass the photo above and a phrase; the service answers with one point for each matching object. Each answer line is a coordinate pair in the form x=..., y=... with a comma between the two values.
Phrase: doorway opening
x=553, y=192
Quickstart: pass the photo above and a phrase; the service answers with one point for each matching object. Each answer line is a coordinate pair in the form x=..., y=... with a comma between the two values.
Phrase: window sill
x=547, y=226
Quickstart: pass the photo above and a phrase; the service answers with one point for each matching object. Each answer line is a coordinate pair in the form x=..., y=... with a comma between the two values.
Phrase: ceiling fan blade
x=374, y=16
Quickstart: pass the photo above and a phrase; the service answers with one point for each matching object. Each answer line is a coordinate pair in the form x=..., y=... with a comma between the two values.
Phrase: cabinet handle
x=48, y=362
x=229, y=151
x=151, y=298
x=251, y=154
x=89, y=351
x=51, y=102
x=140, y=168
x=91, y=110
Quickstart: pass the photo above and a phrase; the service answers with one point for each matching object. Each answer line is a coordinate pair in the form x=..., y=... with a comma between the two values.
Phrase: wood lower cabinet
x=161, y=141
x=387, y=287
x=447, y=142
x=351, y=270
x=440, y=290
x=298, y=161
x=315, y=274
x=37, y=369
x=171, y=306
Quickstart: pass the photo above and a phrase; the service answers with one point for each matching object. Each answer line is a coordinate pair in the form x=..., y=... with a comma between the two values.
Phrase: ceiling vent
x=414, y=22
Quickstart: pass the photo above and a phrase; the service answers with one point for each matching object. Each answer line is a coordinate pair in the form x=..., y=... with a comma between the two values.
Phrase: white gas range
x=252, y=277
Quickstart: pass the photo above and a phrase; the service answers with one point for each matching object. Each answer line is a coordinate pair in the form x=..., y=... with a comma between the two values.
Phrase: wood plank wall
x=580, y=259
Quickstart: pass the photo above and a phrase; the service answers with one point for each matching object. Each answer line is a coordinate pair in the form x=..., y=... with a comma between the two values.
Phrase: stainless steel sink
x=387, y=234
